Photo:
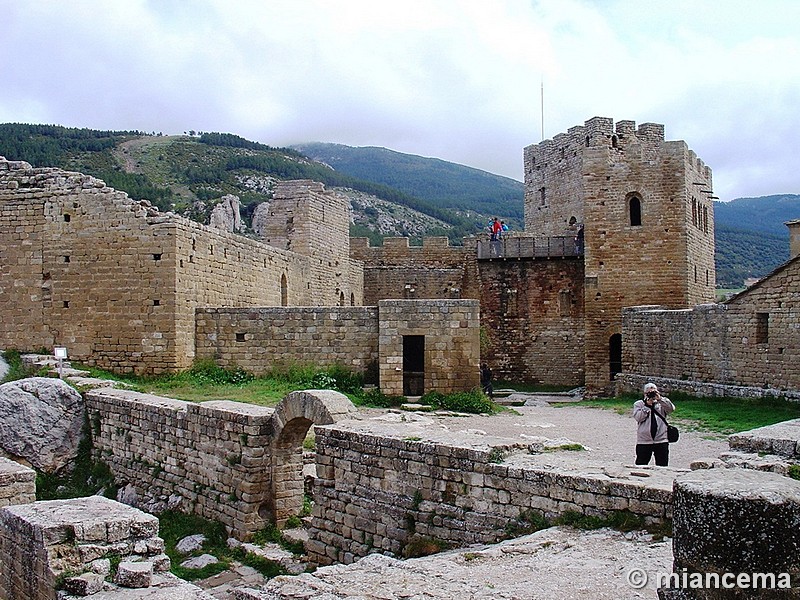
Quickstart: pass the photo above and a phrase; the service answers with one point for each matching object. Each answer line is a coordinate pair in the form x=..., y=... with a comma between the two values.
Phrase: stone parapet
x=17, y=483
x=376, y=491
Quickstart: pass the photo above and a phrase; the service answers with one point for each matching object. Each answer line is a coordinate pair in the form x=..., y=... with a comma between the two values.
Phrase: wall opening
x=284, y=291
x=413, y=365
x=762, y=328
x=615, y=355
x=635, y=211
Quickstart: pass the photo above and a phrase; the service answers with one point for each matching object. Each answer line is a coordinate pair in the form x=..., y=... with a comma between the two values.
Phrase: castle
x=130, y=289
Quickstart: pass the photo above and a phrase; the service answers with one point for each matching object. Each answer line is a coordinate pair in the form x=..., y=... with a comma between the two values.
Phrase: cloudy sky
x=459, y=80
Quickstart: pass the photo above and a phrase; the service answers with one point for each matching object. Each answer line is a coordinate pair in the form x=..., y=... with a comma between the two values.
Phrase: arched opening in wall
x=705, y=219
x=288, y=482
x=284, y=291
x=635, y=210
x=341, y=298
x=615, y=355
x=614, y=141
x=352, y=299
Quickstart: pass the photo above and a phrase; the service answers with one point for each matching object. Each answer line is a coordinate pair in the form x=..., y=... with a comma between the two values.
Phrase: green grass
x=719, y=415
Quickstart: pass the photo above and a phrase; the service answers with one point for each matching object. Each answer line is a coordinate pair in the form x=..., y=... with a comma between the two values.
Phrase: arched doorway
x=293, y=417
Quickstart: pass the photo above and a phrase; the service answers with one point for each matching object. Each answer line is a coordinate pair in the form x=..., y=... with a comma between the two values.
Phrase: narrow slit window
x=762, y=328
x=635, y=211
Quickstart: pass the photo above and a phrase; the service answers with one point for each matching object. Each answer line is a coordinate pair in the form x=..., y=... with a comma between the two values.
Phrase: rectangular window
x=762, y=328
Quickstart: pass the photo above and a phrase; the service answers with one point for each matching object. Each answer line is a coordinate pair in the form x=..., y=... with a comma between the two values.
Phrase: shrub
x=474, y=401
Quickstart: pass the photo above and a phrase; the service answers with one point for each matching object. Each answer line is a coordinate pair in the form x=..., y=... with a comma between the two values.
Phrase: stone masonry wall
x=376, y=491
x=259, y=339
x=451, y=331
x=752, y=340
x=532, y=315
x=210, y=459
x=17, y=483
x=117, y=282
x=43, y=544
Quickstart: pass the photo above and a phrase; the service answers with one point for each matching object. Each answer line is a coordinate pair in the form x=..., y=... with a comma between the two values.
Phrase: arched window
x=284, y=291
x=705, y=219
x=694, y=212
x=635, y=210
x=352, y=299
x=341, y=298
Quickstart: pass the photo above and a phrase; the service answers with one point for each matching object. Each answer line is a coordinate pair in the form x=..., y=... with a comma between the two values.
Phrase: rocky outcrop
x=226, y=215
x=41, y=421
x=261, y=217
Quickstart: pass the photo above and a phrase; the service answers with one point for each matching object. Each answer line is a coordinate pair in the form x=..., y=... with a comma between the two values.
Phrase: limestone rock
x=261, y=217
x=85, y=584
x=41, y=420
x=226, y=215
x=134, y=574
x=190, y=543
x=198, y=562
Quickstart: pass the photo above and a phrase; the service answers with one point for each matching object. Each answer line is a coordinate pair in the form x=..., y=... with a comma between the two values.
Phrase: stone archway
x=293, y=417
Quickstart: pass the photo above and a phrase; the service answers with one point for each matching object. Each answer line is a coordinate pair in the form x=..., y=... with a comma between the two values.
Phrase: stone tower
x=309, y=220
x=646, y=205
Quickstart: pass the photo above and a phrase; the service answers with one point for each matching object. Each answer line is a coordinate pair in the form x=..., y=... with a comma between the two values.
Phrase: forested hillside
x=441, y=183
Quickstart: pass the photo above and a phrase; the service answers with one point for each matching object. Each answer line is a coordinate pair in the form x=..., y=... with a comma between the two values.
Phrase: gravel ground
x=610, y=438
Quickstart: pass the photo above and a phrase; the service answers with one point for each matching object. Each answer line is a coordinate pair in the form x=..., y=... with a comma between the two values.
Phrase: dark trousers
x=645, y=451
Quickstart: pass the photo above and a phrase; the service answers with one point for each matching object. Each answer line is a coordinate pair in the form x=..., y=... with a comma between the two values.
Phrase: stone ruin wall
x=379, y=492
x=752, y=340
x=116, y=282
x=261, y=339
x=209, y=459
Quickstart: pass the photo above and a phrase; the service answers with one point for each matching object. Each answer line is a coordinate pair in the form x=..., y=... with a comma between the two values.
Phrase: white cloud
x=460, y=80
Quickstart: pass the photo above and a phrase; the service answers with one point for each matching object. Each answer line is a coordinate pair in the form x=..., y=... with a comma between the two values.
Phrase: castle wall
x=752, y=340
x=117, y=282
x=260, y=339
x=378, y=491
x=531, y=309
x=533, y=320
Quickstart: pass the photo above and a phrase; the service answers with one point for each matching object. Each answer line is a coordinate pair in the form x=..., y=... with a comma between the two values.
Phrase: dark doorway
x=413, y=365
x=615, y=354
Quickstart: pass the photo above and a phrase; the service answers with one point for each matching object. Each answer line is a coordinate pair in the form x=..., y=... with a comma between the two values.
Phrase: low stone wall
x=42, y=543
x=376, y=491
x=630, y=383
x=259, y=339
x=237, y=463
x=17, y=483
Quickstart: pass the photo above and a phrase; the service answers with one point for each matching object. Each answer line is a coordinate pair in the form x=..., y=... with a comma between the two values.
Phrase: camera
x=652, y=395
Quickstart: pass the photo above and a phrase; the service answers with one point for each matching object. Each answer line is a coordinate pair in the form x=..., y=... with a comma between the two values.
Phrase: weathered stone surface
x=736, y=521
x=226, y=214
x=85, y=584
x=134, y=574
x=198, y=562
x=17, y=483
x=190, y=543
x=41, y=421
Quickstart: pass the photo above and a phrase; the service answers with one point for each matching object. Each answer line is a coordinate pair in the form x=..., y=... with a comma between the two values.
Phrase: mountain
x=751, y=237
x=441, y=183
x=391, y=193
